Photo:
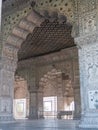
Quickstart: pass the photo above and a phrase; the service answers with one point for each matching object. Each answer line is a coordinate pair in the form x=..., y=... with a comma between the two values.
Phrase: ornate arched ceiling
x=15, y=10
x=39, y=34
x=53, y=34
x=50, y=37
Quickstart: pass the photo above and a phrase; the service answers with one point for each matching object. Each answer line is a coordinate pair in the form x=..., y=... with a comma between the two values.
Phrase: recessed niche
x=17, y=15
x=66, y=4
x=69, y=10
x=41, y=3
x=50, y=1
x=55, y=5
x=25, y=11
x=12, y=4
x=61, y=8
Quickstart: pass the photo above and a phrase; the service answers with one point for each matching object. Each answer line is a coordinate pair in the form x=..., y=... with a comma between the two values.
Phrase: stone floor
x=42, y=125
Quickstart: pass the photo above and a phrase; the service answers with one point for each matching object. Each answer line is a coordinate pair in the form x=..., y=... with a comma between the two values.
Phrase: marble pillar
x=40, y=105
x=7, y=71
x=77, y=103
x=8, y=64
x=88, y=64
x=0, y=27
x=33, y=112
x=36, y=105
x=0, y=13
x=76, y=90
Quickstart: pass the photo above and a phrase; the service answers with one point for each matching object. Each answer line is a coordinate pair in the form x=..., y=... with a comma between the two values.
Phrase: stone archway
x=54, y=85
x=9, y=63
x=54, y=78
x=10, y=56
x=87, y=39
x=20, y=34
x=21, y=98
x=26, y=26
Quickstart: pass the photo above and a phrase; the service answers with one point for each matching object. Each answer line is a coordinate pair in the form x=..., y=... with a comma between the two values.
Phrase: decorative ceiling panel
x=48, y=38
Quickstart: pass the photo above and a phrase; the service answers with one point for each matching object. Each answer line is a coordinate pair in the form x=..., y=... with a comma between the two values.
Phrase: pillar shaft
x=0, y=27
x=6, y=89
x=0, y=13
x=77, y=112
x=76, y=87
x=33, y=105
x=8, y=64
x=88, y=62
x=36, y=105
x=40, y=104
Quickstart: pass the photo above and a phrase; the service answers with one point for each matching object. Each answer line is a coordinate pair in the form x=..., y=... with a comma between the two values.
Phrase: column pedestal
x=89, y=120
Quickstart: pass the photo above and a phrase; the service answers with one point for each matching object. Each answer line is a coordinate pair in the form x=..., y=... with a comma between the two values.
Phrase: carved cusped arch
x=50, y=75
x=56, y=82
x=25, y=28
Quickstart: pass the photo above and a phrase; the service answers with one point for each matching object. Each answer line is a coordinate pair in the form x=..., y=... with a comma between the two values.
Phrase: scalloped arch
x=26, y=26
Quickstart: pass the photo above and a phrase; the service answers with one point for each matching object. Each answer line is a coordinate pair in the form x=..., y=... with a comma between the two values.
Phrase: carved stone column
x=8, y=64
x=76, y=90
x=8, y=61
x=88, y=63
x=33, y=105
x=0, y=27
x=60, y=98
x=36, y=105
x=40, y=104
x=0, y=12
x=77, y=112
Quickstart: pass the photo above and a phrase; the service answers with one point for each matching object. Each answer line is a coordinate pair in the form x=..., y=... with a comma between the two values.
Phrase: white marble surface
x=0, y=12
x=42, y=125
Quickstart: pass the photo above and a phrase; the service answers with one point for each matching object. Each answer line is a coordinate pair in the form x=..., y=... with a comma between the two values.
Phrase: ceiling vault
x=41, y=33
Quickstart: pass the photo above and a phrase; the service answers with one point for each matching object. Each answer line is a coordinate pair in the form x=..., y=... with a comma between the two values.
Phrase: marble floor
x=42, y=125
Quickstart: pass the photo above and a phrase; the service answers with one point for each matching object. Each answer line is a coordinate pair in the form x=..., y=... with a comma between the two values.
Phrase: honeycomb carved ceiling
x=51, y=36
x=40, y=34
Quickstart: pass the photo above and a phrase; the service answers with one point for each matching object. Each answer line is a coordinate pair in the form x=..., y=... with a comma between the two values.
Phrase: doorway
x=50, y=107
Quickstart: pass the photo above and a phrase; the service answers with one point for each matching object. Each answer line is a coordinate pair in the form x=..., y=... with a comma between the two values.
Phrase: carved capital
x=87, y=39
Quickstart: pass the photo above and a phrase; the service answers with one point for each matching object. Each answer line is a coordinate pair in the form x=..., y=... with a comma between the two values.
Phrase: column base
x=89, y=122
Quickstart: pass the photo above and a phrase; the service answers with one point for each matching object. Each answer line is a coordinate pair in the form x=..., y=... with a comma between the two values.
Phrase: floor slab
x=42, y=125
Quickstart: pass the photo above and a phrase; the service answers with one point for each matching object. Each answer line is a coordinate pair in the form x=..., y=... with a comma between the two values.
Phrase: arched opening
x=38, y=34
x=21, y=98
x=57, y=95
x=35, y=36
